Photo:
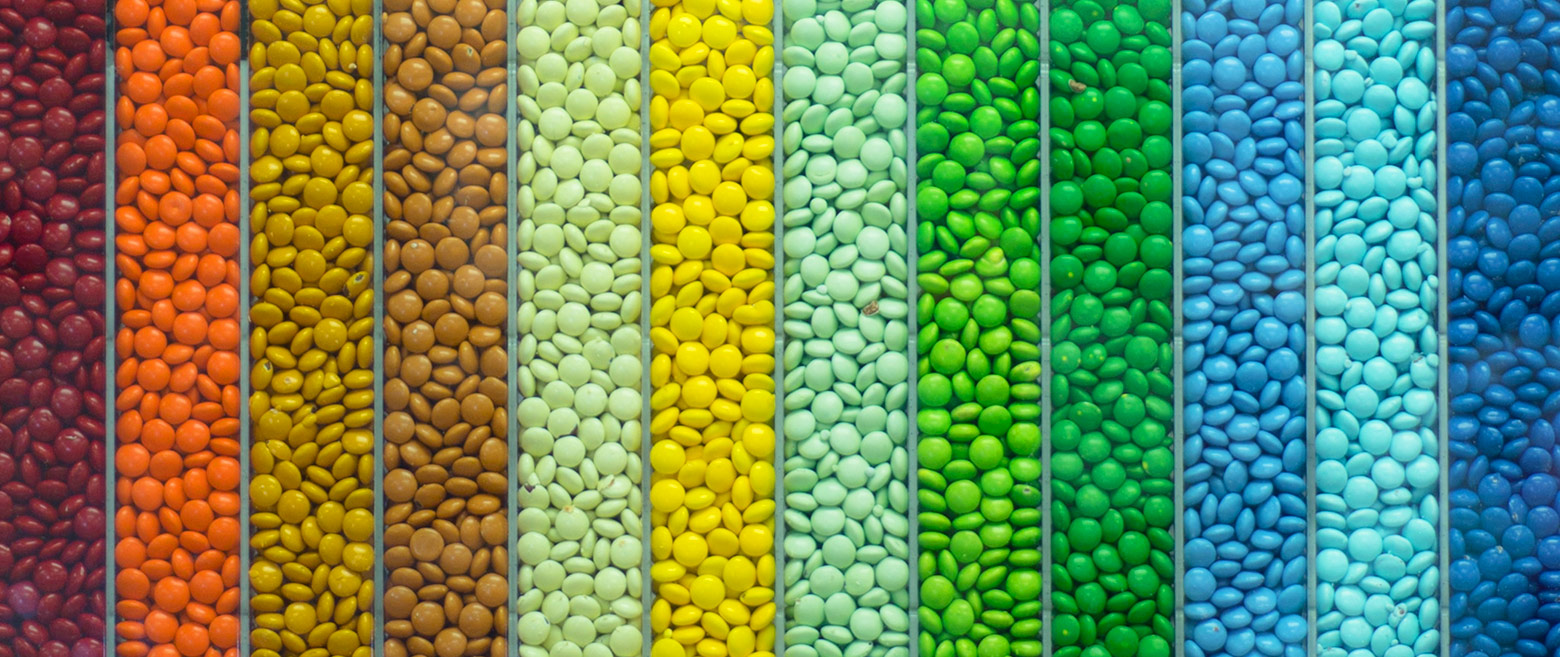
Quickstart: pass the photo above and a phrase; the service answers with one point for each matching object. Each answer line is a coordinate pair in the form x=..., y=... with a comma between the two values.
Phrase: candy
x=1500, y=330
x=1376, y=298
x=1111, y=320
x=978, y=386
x=712, y=319
x=176, y=209
x=312, y=305
x=1244, y=313
x=847, y=368
x=53, y=374
x=580, y=411
x=446, y=360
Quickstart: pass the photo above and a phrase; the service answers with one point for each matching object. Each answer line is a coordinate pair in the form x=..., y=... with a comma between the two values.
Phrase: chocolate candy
x=1112, y=287
x=978, y=383
x=445, y=361
x=176, y=210
x=580, y=582
x=712, y=316
x=1376, y=299
x=311, y=405
x=847, y=367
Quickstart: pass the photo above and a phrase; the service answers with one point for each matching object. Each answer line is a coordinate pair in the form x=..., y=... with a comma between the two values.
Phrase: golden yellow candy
x=311, y=200
x=712, y=319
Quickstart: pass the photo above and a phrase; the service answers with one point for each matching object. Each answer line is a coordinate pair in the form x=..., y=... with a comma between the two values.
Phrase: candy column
x=846, y=331
x=52, y=371
x=1244, y=316
x=312, y=351
x=446, y=358
x=579, y=241
x=1376, y=300
x=977, y=234
x=176, y=252
x=1501, y=120
x=712, y=319
x=1112, y=442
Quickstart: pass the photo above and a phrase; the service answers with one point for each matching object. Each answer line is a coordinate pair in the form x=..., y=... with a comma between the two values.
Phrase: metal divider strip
x=1177, y=339
x=646, y=350
x=379, y=323
x=777, y=161
x=110, y=329
x=1309, y=41
x=913, y=344
x=245, y=358
x=1443, y=405
x=511, y=322
x=1047, y=518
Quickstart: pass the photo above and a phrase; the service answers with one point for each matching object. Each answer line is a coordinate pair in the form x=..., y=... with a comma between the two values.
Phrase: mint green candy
x=845, y=319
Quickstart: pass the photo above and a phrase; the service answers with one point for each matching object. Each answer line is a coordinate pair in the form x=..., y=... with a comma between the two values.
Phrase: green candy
x=1112, y=281
x=978, y=202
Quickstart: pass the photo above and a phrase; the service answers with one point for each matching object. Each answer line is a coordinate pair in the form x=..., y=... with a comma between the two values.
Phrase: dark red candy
x=53, y=257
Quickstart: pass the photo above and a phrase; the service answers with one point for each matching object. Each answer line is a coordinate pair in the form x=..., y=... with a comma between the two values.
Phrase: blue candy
x=1504, y=150
x=1244, y=309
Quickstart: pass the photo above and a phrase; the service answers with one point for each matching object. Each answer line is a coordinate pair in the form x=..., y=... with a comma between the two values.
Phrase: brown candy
x=446, y=392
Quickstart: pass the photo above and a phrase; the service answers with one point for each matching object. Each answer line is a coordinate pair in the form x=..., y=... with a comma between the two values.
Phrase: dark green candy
x=1111, y=322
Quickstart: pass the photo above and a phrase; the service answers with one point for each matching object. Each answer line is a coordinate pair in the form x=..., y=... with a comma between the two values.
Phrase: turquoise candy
x=1377, y=352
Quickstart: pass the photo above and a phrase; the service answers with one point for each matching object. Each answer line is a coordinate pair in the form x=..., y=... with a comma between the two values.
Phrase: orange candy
x=177, y=63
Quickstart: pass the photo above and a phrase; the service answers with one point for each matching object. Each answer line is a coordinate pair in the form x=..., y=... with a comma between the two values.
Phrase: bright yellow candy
x=712, y=314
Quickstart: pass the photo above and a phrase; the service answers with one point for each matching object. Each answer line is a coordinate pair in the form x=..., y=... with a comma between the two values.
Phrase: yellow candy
x=719, y=32
x=693, y=358
x=313, y=311
x=712, y=313
x=666, y=495
x=708, y=592
x=666, y=647
x=694, y=242
x=699, y=392
x=690, y=549
x=666, y=457
x=709, y=94
x=683, y=31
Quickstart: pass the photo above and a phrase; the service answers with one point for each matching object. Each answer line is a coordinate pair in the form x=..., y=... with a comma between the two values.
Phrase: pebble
x=978, y=387
x=846, y=387
x=1243, y=243
x=712, y=319
x=1503, y=110
x=1112, y=282
x=578, y=287
x=1376, y=288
